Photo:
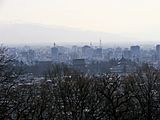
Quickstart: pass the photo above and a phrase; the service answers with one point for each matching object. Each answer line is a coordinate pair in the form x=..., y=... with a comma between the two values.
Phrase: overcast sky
x=140, y=18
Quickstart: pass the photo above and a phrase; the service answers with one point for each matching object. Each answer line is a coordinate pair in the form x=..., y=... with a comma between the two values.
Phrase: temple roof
x=122, y=61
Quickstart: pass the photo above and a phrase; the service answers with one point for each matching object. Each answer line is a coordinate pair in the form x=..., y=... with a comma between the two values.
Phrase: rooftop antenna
x=54, y=44
x=90, y=44
x=100, y=43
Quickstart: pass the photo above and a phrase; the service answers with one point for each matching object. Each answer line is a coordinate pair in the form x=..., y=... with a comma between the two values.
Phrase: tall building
x=98, y=53
x=75, y=52
x=135, y=53
x=54, y=53
x=127, y=53
x=118, y=53
x=158, y=52
x=87, y=52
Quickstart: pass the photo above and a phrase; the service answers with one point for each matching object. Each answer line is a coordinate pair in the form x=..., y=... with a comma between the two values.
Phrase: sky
x=131, y=18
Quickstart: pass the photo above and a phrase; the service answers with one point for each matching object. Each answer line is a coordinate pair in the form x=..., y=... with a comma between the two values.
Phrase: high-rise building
x=135, y=53
x=158, y=52
x=98, y=53
x=87, y=52
x=127, y=53
x=118, y=53
x=54, y=53
x=158, y=48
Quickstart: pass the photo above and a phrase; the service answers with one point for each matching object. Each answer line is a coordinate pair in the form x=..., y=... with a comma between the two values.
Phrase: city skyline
x=79, y=60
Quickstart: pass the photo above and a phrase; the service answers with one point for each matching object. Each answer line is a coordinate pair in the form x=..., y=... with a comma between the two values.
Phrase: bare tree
x=145, y=87
x=116, y=97
x=7, y=83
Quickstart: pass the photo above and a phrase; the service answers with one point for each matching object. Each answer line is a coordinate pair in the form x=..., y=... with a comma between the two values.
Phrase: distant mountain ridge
x=40, y=34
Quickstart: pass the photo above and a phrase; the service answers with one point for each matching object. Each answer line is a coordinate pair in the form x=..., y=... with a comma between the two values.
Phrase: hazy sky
x=140, y=18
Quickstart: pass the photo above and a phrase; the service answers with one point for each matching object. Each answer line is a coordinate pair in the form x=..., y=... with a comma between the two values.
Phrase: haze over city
x=79, y=60
x=80, y=21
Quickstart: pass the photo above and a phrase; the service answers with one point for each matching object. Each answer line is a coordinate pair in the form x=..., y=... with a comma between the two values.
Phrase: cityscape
x=79, y=60
x=80, y=57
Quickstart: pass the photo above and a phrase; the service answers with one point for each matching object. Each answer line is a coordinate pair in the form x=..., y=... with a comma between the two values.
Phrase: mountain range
x=44, y=34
